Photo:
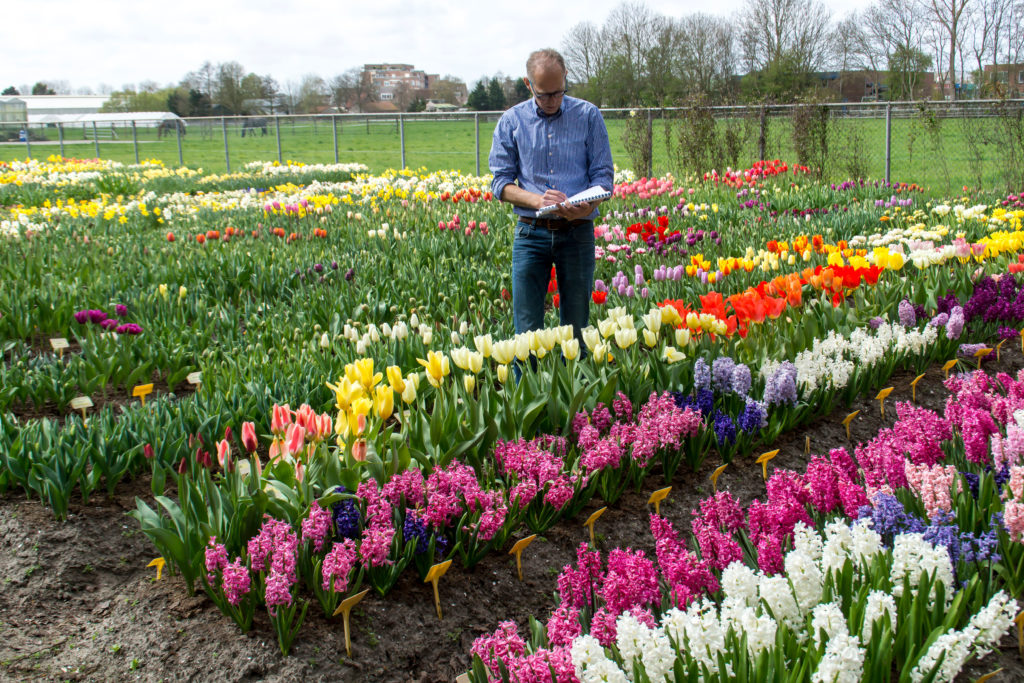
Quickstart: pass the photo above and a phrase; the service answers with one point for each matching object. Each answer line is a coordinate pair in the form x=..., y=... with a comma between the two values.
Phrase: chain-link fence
x=938, y=145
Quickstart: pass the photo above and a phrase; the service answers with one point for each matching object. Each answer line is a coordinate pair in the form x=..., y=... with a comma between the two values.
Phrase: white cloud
x=105, y=41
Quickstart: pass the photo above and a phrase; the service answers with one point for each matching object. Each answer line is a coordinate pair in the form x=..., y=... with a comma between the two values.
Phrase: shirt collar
x=542, y=114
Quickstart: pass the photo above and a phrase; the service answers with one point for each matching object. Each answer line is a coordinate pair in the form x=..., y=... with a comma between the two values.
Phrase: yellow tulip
x=896, y=260
x=504, y=351
x=570, y=349
x=345, y=392
x=460, y=357
x=469, y=382
x=565, y=333
x=383, y=402
x=163, y=291
x=601, y=353
x=409, y=394
x=652, y=319
x=625, y=338
x=606, y=327
x=361, y=372
x=395, y=378
x=522, y=346
x=502, y=373
x=670, y=316
x=476, y=362
x=483, y=344
x=437, y=367
x=650, y=338
x=682, y=336
x=546, y=338
x=591, y=337
x=692, y=320
x=672, y=355
x=182, y=292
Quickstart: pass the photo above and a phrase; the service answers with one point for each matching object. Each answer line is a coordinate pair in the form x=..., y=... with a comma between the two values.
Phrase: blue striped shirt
x=567, y=151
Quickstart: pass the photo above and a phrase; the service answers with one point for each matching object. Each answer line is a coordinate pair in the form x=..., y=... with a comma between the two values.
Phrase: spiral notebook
x=590, y=195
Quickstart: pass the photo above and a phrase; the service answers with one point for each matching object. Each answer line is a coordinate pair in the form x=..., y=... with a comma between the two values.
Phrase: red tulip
x=147, y=451
x=294, y=438
x=224, y=455
x=170, y=237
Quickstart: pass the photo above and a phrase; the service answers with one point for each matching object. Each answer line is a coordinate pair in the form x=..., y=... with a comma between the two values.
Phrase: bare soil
x=78, y=603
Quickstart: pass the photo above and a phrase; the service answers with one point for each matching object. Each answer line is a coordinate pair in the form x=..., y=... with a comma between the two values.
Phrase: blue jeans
x=534, y=250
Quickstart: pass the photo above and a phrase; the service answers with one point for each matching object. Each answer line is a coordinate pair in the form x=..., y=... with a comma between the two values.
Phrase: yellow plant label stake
x=882, y=395
x=142, y=391
x=715, y=475
x=590, y=524
x=981, y=353
x=763, y=461
x=999, y=347
x=913, y=388
x=433, y=576
x=159, y=564
x=657, y=497
x=1020, y=632
x=947, y=366
x=986, y=677
x=518, y=549
x=807, y=446
x=847, y=420
x=345, y=609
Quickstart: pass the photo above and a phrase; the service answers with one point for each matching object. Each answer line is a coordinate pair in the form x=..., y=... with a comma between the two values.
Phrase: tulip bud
x=502, y=373
x=147, y=451
x=469, y=382
x=249, y=441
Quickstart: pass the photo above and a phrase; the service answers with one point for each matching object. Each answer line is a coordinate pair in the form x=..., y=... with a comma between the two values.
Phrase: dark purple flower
x=97, y=316
x=345, y=515
x=82, y=317
x=120, y=310
x=350, y=273
x=725, y=430
x=109, y=324
x=318, y=267
x=129, y=328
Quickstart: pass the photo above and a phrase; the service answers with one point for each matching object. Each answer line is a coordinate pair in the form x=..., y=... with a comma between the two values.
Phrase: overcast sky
x=88, y=43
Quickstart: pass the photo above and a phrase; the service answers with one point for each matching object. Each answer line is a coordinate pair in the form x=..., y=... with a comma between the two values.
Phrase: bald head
x=543, y=62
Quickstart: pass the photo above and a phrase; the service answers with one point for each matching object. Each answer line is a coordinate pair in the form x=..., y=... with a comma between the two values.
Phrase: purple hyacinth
x=781, y=385
x=753, y=418
x=955, y=324
x=740, y=380
x=725, y=430
x=906, y=312
x=721, y=373
x=701, y=374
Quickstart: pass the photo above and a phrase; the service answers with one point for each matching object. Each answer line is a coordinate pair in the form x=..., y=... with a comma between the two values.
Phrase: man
x=544, y=150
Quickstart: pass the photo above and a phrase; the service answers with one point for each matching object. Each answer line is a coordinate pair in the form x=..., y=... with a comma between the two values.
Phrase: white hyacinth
x=879, y=606
x=739, y=582
x=843, y=661
x=913, y=557
x=827, y=618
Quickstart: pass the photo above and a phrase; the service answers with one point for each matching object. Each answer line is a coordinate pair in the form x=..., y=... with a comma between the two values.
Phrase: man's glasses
x=548, y=96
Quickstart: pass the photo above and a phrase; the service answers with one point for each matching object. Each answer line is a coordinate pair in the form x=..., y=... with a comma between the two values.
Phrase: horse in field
x=252, y=124
x=170, y=126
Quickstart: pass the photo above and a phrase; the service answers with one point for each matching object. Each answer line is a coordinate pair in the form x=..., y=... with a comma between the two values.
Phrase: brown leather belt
x=553, y=223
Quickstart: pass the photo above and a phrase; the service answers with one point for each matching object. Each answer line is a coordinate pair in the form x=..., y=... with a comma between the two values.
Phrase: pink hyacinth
x=822, y=478
x=564, y=625
x=410, y=484
x=262, y=545
x=448, y=491
x=623, y=407
x=605, y=453
x=538, y=667
x=316, y=525
x=602, y=626
x=688, y=577
x=501, y=646
x=236, y=582
x=216, y=559
x=578, y=585
x=337, y=564
x=278, y=591
x=376, y=545
x=378, y=508
x=1013, y=519
x=933, y=485
x=631, y=581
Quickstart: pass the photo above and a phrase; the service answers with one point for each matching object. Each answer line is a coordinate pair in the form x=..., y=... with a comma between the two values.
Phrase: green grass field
x=958, y=152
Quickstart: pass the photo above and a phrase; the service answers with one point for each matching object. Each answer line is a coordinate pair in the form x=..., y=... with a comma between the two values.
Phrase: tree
x=986, y=22
x=479, y=100
x=448, y=89
x=906, y=68
x=312, y=96
x=894, y=32
x=353, y=89
x=138, y=100
x=230, y=95
x=10, y=90
x=584, y=52
x=41, y=88
x=495, y=95
x=949, y=14
x=792, y=33
x=707, y=56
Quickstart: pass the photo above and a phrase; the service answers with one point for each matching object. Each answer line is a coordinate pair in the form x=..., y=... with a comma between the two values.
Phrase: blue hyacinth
x=345, y=515
x=725, y=430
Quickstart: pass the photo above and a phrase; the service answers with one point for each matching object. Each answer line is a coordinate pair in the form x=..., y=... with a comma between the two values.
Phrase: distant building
x=1003, y=80
x=13, y=112
x=869, y=86
x=39, y=106
x=403, y=83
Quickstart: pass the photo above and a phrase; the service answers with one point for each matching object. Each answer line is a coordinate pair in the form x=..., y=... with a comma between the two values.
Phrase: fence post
x=95, y=140
x=401, y=136
x=476, y=125
x=763, y=135
x=334, y=135
x=888, y=142
x=135, y=142
x=224, y=130
x=650, y=142
x=180, y=128
x=60, y=136
x=28, y=137
x=277, y=132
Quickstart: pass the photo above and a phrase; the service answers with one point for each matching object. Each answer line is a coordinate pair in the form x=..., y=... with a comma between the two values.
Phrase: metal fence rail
x=942, y=145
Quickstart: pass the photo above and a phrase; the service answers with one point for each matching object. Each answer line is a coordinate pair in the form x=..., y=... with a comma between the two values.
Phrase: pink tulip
x=472, y=225
x=249, y=440
x=300, y=471
x=294, y=438
x=441, y=225
x=304, y=416
x=281, y=418
x=224, y=455
x=359, y=450
x=147, y=451
x=468, y=231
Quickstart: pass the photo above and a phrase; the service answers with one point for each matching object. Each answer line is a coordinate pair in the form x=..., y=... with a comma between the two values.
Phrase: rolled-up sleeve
x=601, y=168
x=504, y=157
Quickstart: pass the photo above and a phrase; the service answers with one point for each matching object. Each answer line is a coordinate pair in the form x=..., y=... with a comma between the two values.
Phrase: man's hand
x=550, y=197
x=576, y=212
